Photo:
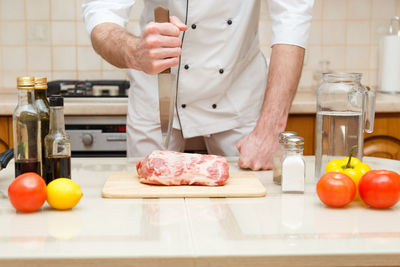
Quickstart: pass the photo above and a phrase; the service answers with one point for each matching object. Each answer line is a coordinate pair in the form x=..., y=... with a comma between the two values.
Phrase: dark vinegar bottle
x=26, y=129
x=57, y=160
x=44, y=111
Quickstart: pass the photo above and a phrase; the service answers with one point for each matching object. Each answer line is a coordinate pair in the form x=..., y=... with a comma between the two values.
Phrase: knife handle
x=161, y=15
x=5, y=157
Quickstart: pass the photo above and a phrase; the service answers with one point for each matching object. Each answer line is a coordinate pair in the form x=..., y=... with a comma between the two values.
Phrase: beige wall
x=47, y=37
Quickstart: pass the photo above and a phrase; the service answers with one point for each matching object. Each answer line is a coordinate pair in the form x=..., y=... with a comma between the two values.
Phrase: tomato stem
x=351, y=154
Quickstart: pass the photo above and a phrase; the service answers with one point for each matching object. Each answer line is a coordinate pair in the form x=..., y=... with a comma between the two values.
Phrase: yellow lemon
x=63, y=193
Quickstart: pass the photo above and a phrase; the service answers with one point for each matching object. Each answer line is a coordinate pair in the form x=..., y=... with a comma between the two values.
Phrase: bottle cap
x=25, y=82
x=283, y=135
x=296, y=142
x=40, y=83
x=56, y=101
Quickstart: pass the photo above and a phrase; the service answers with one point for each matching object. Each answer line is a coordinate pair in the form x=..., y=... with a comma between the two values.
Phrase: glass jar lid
x=342, y=77
x=25, y=82
x=294, y=142
x=283, y=135
x=40, y=83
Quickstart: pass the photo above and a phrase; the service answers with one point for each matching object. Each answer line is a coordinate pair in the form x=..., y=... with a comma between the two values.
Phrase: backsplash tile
x=63, y=9
x=64, y=58
x=63, y=33
x=334, y=9
x=39, y=58
x=13, y=33
x=48, y=37
x=38, y=9
x=358, y=32
x=334, y=32
x=88, y=59
x=359, y=9
x=12, y=9
x=383, y=9
x=14, y=58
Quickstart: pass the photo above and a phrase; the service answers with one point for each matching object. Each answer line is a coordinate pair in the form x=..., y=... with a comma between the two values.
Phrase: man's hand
x=257, y=148
x=156, y=50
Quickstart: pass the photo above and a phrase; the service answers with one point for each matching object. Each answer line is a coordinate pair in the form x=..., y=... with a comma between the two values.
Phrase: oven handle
x=116, y=139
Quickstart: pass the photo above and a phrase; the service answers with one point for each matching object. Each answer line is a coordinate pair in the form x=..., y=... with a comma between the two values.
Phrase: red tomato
x=27, y=192
x=336, y=189
x=380, y=189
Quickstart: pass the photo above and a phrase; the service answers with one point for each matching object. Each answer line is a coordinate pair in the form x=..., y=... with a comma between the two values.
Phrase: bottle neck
x=40, y=94
x=26, y=97
x=57, y=120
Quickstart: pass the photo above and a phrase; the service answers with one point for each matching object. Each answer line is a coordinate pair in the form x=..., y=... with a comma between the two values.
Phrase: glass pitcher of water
x=345, y=109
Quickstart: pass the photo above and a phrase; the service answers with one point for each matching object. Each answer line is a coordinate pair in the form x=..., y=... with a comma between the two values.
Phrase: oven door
x=97, y=136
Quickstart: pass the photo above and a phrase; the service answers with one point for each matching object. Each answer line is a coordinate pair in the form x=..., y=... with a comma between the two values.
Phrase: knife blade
x=166, y=88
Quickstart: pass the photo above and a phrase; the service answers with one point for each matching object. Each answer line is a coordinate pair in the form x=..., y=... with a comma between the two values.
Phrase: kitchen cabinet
x=303, y=125
x=384, y=142
x=5, y=133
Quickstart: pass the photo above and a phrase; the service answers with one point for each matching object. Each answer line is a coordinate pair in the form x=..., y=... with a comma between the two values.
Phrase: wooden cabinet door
x=384, y=141
x=4, y=133
x=304, y=125
x=382, y=147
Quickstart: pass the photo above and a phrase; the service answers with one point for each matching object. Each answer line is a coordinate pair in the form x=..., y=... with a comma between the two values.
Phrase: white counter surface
x=279, y=229
x=303, y=103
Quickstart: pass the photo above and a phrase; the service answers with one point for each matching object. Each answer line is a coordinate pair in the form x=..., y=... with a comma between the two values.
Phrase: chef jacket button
x=221, y=71
x=183, y=105
x=214, y=106
x=186, y=67
x=194, y=26
x=229, y=22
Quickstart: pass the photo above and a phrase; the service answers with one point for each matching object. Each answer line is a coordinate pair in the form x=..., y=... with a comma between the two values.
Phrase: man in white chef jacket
x=225, y=92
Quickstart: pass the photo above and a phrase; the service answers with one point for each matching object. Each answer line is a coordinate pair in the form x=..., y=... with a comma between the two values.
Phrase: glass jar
x=277, y=157
x=345, y=109
x=26, y=129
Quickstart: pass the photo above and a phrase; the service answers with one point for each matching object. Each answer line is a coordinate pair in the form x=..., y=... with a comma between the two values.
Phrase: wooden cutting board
x=127, y=185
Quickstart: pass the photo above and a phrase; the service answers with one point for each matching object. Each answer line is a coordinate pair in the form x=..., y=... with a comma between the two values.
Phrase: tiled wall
x=47, y=37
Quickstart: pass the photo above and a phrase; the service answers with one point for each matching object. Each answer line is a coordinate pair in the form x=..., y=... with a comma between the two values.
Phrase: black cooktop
x=88, y=88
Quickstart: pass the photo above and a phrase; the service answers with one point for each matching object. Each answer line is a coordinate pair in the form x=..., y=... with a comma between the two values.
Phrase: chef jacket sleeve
x=291, y=21
x=96, y=12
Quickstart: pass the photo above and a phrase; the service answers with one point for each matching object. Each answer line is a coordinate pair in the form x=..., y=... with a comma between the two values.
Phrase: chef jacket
x=222, y=74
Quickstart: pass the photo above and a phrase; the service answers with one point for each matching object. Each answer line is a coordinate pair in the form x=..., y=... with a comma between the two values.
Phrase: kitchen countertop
x=303, y=103
x=279, y=229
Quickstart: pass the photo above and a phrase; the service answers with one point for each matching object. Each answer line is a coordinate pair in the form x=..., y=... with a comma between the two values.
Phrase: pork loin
x=175, y=168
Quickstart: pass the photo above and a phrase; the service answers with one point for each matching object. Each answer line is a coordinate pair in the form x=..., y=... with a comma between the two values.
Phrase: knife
x=166, y=88
x=5, y=157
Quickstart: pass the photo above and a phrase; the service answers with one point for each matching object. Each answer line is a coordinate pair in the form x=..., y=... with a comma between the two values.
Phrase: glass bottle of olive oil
x=44, y=111
x=57, y=144
x=26, y=129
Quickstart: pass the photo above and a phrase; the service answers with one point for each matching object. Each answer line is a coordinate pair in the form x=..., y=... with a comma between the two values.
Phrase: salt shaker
x=293, y=165
x=278, y=155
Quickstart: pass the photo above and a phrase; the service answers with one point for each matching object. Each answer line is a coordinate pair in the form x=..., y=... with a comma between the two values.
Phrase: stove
x=89, y=88
x=94, y=136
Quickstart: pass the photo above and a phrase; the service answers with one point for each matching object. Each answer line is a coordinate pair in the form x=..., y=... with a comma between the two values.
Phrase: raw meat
x=175, y=168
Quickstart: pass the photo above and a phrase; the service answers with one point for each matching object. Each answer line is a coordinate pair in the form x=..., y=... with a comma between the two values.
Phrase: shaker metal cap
x=25, y=82
x=56, y=101
x=40, y=83
x=283, y=135
x=294, y=142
